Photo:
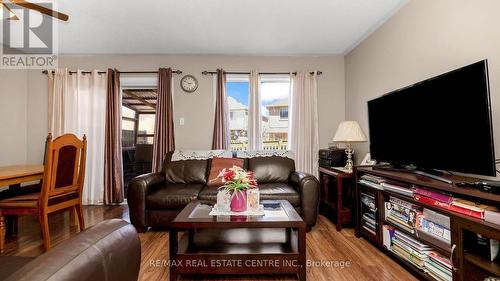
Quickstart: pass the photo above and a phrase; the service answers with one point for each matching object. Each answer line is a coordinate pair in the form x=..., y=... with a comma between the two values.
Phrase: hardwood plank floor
x=362, y=261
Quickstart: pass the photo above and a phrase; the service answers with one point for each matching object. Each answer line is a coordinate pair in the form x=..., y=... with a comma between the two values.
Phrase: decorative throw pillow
x=218, y=164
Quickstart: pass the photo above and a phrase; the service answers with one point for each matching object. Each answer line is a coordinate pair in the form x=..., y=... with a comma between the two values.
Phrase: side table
x=333, y=183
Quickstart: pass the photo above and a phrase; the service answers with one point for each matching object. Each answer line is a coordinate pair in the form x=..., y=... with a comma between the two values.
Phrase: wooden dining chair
x=62, y=186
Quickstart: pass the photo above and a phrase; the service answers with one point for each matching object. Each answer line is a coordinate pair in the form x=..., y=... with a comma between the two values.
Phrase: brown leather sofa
x=110, y=251
x=155, y=199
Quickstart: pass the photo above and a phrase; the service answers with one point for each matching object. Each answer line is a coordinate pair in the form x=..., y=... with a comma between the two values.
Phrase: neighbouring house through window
x=275, y=98
x=138, y=124
x=237, y=90
x=275, y=101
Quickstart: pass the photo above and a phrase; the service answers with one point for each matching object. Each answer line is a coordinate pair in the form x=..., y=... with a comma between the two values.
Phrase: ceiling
x=233, y=27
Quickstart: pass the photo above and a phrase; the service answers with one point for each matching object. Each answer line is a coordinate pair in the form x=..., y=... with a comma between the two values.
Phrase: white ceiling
x=240, y=27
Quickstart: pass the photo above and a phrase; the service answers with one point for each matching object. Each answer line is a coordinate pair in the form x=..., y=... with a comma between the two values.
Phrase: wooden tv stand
x=468, y=266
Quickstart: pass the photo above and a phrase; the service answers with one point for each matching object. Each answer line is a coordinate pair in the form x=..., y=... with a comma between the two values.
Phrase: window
x=237, y=89
x=275, y=100
x=284, y=113
x=275, y=96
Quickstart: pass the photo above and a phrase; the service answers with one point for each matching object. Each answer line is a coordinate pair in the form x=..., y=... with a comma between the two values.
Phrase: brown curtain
x=164, y=140
x=113, y=174
x=221, y=135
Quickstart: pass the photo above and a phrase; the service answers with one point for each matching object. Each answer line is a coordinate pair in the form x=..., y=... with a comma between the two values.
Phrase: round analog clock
x=189, y=83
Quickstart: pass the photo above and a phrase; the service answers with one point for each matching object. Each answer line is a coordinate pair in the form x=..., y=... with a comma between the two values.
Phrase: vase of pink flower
x=236, y=182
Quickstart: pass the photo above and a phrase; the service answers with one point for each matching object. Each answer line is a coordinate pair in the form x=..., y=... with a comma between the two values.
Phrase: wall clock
x=189, y=83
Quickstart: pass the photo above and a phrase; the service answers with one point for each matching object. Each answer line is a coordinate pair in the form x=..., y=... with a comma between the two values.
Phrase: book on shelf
x=457, y=206
x=397, y=189
x=373, y=179
x=441, y=197
x=401, y=225
x=387, y=234
x=467, y=208
x=438, y=258
x=372, y=231
x=401, y=213
x=371, y=184
x=431, y=202
x=437, y=272
x=409, y=249
x=411, y=241
x=433, y=229
x=436, y=217
x=370, y=226
x=438, y=266
x=492, y=214
x=419, y=263
x=368, y=201
x=371, y=221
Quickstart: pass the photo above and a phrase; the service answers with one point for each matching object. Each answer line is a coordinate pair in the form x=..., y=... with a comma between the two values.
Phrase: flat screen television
x=441, y=123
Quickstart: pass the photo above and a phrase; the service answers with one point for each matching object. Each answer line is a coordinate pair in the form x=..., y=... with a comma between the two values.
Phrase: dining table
x=14, y=175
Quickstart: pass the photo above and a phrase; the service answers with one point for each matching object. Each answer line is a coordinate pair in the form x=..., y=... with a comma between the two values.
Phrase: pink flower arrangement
x=237, y=179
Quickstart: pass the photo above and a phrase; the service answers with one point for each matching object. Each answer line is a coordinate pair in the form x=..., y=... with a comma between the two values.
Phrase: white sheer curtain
x=304, y=136
x=254, y=113
x=77, y=105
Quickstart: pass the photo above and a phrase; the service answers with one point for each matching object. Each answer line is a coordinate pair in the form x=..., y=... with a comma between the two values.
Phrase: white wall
x=425, y=38
x=197, y=108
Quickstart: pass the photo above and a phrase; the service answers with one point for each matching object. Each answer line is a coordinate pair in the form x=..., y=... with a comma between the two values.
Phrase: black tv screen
x=441, y=123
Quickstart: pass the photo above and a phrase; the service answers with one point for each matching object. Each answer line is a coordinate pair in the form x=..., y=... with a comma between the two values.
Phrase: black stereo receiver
x=332, y=157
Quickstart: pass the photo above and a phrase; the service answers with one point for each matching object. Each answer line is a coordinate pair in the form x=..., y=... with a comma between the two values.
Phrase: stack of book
x=438, y=266
x=369, y=221
x=467, y=208
x=368, y=212
x=446, y=201
x=436, y=225
x=432, y=198
x=398, y=188
x=401, y=213
x=410, y=249
x=372, y=181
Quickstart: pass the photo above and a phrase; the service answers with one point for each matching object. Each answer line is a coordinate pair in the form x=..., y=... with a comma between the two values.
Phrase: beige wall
x=196, y=109
x=13, y=116
x=425, y=38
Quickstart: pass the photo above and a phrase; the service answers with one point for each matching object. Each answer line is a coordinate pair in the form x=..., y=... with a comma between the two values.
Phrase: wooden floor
x=324, y=244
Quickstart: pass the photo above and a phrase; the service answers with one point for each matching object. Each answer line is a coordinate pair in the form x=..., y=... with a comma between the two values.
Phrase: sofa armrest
x=138, y=188
x=110, y=250
x=308, y=187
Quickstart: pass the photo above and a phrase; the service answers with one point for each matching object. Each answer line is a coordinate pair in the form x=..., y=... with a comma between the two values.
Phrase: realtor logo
x=29, y=41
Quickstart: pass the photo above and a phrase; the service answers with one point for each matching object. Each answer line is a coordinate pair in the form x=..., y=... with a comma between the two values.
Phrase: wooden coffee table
x=271, y=244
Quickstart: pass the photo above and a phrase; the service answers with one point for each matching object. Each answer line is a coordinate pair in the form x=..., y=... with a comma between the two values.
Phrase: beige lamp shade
x=348, y=132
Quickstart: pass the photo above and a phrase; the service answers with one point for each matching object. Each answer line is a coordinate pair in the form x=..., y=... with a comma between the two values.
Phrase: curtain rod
x=263, y=73
x=125, y=72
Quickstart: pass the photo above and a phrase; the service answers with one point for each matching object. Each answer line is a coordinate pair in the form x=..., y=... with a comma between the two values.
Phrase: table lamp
x=349, y=132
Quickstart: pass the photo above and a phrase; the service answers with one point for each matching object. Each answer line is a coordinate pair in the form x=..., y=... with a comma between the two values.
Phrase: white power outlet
x=181, y=121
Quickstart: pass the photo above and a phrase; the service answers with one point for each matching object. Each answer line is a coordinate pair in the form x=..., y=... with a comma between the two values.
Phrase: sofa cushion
x=172, y=196
x=276, y=191
x=271, y=169
x=217, y=165
x=209, y=194
x=185, y=171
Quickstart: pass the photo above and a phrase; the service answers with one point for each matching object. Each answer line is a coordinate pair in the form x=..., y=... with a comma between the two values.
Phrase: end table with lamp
x=348, y=132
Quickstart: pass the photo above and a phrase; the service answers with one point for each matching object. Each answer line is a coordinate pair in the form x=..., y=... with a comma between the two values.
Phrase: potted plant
x=236, y=182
